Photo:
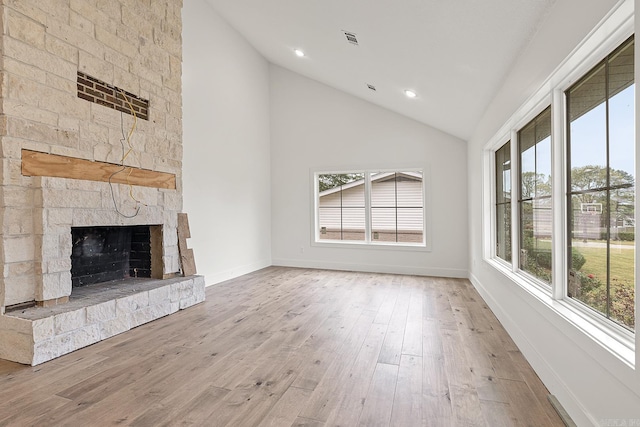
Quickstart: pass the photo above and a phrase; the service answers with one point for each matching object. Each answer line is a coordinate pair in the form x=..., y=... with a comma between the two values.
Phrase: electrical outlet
x=301, y=249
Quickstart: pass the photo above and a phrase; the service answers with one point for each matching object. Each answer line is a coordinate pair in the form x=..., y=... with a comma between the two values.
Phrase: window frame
x=369, y=243
x=612, y=32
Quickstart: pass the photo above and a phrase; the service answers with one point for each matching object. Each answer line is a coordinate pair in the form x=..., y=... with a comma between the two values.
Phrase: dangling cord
x=126, y=138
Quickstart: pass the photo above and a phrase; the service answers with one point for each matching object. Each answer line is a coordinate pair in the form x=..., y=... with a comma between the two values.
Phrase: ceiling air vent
x=372, y=87
x=351, y=37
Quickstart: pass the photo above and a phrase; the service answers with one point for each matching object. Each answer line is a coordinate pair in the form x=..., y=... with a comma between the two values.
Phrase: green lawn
x=622, y=264
x=592, y=279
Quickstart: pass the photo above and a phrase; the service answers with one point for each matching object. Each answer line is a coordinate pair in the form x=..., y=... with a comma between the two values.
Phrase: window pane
x=397, y=211
x=622, y=277
x=535, y=241
x=331, y=198
x=353, y=223
x=588, y=251
x=588, y=129
x=590, y=271
x=334, y=180
x=503, y=173
x=621, y=114
x=503, y=238
x=526, y=138
x=330, y=222
x=341, y=206
x=409, y=189
x=383, y=224
x=353, y=196
x=410, y=221
x=543, y=167
x=383, y=189
x=534, y=145
x=622, y=256
x=503, y=199
x=602, y=199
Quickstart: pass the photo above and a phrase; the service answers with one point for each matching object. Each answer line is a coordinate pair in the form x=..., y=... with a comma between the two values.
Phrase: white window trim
x=612, y=31
x=368, y=244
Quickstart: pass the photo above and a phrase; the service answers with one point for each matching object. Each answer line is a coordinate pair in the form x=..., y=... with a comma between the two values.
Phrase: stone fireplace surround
x=73, y=318
x=128, y=44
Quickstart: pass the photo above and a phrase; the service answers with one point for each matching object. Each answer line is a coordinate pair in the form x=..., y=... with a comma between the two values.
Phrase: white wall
x=316, y=127
x=226, y=171
x=594, y=386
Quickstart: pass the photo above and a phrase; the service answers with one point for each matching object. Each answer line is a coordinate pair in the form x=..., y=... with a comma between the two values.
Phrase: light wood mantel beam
x=35, y=163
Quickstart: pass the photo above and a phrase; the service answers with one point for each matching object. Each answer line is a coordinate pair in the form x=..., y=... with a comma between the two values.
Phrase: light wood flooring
x=295, y=347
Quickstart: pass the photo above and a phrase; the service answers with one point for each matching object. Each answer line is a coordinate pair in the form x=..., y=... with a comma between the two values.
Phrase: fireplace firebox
x=102, y=254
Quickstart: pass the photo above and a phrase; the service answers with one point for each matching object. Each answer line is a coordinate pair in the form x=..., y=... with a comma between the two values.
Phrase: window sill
x=615, y=339
x=346, y=244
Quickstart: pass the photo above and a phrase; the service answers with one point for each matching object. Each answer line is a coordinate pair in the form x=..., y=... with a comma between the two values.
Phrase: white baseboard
x=373, y=268
x=232, y=273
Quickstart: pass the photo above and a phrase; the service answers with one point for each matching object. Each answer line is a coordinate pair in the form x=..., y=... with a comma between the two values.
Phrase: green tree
x=592, y=177
x=329, y=181
x=535, y=185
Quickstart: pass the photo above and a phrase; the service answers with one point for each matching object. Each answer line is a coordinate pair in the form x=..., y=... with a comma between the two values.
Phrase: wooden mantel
x=35, y=163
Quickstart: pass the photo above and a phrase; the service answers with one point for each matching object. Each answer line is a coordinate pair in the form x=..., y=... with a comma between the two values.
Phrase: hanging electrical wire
x=125, y=153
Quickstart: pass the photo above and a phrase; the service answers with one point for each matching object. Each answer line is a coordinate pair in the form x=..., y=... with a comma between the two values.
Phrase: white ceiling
x=452, y=53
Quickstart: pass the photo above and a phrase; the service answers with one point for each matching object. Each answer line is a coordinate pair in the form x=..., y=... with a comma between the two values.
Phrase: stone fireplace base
x=35, y=335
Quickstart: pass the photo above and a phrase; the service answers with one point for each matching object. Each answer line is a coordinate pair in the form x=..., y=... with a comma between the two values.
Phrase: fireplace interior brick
x=102, y=254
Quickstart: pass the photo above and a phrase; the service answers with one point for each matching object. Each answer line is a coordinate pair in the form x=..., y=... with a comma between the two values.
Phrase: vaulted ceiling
x=452, y=53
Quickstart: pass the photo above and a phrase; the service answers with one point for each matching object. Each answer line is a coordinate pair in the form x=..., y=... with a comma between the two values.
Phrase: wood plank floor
x=295, y=347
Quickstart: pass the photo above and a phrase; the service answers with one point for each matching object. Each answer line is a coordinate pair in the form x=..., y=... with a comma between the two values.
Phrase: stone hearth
x=94, y=313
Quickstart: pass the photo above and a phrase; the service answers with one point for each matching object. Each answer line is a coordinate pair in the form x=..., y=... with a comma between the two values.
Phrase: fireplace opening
x=102, y=254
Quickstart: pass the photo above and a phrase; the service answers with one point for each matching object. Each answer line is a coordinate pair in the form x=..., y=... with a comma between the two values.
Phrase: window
x=503, y=202
x=534, y=200
x=341, y=207
x=601, y=187
x=371, y=207
x=572, y=169
x=396, y=207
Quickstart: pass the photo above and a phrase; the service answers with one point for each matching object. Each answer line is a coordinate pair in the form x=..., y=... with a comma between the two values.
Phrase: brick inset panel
x=94, y=90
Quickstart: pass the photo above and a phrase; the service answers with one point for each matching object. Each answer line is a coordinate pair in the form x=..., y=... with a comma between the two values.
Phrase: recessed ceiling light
x=410, y=93
x=298, y=52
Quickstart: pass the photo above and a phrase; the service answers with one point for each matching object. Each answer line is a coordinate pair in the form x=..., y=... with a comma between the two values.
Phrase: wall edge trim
x=374, y=268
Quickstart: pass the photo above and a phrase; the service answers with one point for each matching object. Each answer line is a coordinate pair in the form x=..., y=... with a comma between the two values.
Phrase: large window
x=575, y=194
x=503, y=202
x=601, y=187
x=534, y=201
x=372, y=207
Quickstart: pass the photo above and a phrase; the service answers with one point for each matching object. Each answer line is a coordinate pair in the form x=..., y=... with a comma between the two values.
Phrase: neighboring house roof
x=417, y=176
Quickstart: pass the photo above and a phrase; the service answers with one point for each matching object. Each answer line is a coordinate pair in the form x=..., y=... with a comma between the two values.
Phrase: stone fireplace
x=91, y=132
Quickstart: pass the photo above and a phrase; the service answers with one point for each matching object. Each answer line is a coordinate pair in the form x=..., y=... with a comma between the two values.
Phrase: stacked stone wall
x=134, y=45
